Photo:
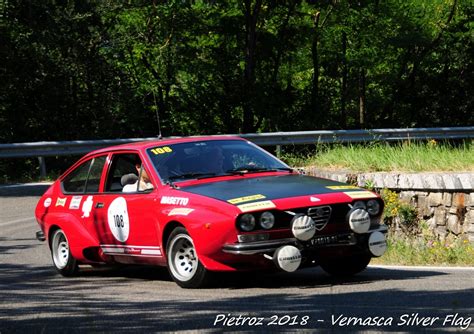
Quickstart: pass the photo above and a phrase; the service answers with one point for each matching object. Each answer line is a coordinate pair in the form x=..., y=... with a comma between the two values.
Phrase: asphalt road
x=34, y=298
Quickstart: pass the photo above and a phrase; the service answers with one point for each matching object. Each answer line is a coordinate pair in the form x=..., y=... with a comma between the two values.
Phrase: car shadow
x=313, y=277
x=303, y=279
x=126, y=271
x=36, y=299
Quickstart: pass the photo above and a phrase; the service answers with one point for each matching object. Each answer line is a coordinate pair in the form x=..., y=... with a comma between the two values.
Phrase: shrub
x=400, y=217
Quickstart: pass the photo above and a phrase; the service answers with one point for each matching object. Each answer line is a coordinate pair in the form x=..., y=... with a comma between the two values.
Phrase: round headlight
x=373, y=207
x=267, y=220
x=247, y=222
x=359, y=204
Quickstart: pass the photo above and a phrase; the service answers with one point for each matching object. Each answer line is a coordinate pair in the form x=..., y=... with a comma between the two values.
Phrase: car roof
x=142, y=145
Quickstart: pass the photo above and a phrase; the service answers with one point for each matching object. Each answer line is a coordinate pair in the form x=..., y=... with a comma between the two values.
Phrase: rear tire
x=183, y=264
x=346, y=266
x=63, y=260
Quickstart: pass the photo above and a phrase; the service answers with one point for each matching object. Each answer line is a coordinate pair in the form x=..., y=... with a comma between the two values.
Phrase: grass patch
x=404, y=157
x=409, y=251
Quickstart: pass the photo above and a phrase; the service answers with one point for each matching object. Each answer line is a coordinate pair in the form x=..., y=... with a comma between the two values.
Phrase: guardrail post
x=278, y=151
x=42, y=166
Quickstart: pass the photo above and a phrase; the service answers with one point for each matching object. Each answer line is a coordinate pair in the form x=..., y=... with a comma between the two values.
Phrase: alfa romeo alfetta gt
x=203, y=205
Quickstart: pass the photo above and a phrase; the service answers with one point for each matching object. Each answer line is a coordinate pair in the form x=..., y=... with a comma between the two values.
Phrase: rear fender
x=78, y=236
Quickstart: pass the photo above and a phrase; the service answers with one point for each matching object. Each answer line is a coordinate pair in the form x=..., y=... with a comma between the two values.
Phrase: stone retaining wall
x=444, y=200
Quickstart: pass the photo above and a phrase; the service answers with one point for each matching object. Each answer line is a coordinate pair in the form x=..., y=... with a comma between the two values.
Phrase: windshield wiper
x=241, y=170
x=191, y=176
x=249, y=169
x=291, y=170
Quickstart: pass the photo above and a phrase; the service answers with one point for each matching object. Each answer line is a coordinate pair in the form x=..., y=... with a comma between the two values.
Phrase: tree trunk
x=362, y=111
x=282, y=38
x=342, y=121
x=251, y=16
x=315, y=58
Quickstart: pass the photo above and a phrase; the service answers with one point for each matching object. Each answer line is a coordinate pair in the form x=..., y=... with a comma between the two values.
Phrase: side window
x=75, y=182
x=86, y=177
x=95, y=174
x=122, y=165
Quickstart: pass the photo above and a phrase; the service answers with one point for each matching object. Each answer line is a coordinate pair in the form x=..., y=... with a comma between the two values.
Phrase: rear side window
x=95, y=173
x=86, y=177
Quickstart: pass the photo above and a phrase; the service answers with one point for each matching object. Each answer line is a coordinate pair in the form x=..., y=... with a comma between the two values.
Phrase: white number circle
x=117, y=216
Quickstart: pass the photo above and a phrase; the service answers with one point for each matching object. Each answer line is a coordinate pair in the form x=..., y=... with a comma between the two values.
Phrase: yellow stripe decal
x=360, y=194
x=256, y=206
x=342, y=187
x=245, y=199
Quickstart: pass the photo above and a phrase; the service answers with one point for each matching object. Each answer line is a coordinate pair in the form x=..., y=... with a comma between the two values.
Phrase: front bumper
x=250, y=248
x=269, y=246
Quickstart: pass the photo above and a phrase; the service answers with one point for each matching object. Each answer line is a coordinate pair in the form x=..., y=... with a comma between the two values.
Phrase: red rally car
x=202, y=205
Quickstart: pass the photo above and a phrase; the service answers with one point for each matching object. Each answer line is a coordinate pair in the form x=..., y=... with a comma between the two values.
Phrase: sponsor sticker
x=288, y=258
x=151, y=252
x=61, y=201
x=174, y=200
x=256, y=206
x=359, y=221
x=117, y=217
x=314, y=199
x=342, y=187
x=303, y=228
x=161, y=150
x=360, y=194
x=47, y=202
x=131, y=250
x=245, y=199
x=87, y=207
x=75, y=202
x=377, y=244
x=180, y=212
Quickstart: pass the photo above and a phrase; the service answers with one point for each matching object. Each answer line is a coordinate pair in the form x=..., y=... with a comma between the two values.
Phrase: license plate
x=331, y=240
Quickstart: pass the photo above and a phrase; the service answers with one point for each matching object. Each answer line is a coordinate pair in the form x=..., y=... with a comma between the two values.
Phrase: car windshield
x=203, y=159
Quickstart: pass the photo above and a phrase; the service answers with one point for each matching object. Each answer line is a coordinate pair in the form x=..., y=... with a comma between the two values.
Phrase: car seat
x=128, y=179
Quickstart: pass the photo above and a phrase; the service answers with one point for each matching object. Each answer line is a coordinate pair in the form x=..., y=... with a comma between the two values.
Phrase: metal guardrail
x=278, y=139
x=354, y=136
x=79, y=147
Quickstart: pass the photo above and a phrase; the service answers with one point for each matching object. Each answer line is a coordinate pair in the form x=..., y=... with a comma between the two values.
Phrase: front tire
x=346, y=266
x=183, y=263
x=63, y=260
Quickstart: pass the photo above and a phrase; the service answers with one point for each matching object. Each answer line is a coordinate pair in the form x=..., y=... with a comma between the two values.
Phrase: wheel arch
x=53, y=228
x=167, y=232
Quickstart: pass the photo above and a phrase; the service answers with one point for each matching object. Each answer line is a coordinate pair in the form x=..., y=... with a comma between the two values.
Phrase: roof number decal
x=161, y=150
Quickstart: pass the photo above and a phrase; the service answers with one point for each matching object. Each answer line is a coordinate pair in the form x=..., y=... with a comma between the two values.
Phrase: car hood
x=268, y=187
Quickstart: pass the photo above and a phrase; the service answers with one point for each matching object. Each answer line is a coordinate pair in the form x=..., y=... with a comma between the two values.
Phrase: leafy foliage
x=105, y=69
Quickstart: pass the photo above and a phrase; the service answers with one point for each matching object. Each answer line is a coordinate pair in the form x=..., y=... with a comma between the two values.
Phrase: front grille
x=320, y=216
